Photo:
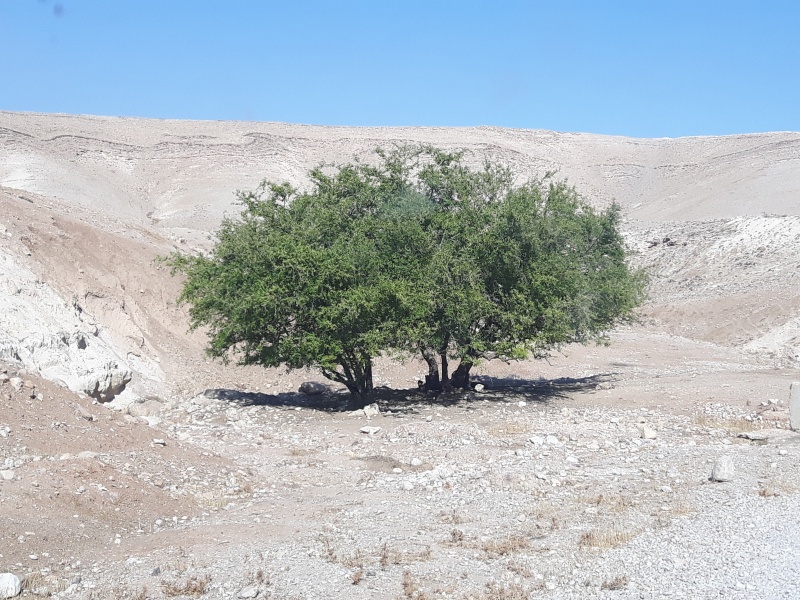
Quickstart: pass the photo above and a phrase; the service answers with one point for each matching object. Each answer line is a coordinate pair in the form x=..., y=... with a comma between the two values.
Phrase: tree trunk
x=460, y=378
x=357, y=378
x=432, y=381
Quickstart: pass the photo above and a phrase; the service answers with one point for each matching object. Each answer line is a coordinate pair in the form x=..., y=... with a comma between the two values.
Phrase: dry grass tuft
x=605, y=537
x=519, y=569
x=505, y=546
x=357, y=577
x=618, y=583
x=33, y=581
x=613, y=501
x=733, y=425
x=411, y=589
x=511, y=591
x=453, y=517
x=193, y=586
x=509, y=428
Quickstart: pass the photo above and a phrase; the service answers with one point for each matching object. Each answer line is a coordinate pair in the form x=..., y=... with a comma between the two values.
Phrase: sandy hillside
x=134, y=467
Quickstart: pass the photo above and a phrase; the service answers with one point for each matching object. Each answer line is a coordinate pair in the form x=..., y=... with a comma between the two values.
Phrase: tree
x=519, y=269
x=415, y=254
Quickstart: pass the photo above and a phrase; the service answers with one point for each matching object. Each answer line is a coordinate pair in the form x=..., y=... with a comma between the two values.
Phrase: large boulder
x=10, y=585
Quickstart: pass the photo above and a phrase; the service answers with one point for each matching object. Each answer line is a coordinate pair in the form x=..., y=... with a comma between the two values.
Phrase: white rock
x=479, y=387
x=159, y=442
x=645, y=432
x=251, y=591
x=9, y=585
x=407, y=486
x=372, y=410
x=371, y=430
x=151, y=421
x=312, y=388
x=16, y=383
x=416, y=462
x=148, y=408
x=552, y=440
x=794, y=405
x=723, y=469
x=87, y=455
x=7, y=475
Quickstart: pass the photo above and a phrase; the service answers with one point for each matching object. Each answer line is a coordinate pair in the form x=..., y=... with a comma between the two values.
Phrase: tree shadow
x=495, y=389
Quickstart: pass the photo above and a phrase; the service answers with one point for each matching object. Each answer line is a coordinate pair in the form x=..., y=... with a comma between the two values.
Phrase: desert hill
x=133, y=467
x=88, y=202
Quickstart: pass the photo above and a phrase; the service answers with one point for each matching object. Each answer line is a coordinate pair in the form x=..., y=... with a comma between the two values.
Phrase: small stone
x=150, y=421
x=369, y=429
x=552, y=440
x=251, y=591
x=479, y=387
x=536, y=440
x=397, y=470
x=10, y=585
x=755, y=436
x=723, y=469
x=522, y=404
x=407, y=486
x=372, y=410
x=645, y=432
x=312, y=388
x=794, y=405
x=7, y=475
x=416, y=462
x=148, y=408
x=16, y=383
x=159, y=442
x=87, y=455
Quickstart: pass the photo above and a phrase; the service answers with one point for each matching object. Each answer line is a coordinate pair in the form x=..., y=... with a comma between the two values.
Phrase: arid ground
x=132, y=466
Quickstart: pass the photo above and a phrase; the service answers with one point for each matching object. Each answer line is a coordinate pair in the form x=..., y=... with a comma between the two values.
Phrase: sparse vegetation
x=507, y=545
x=619, y=582
x=411, y=589
x=196, y=585
x=609, y=536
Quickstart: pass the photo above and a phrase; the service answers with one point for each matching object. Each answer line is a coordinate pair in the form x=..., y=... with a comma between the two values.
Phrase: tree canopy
x=416, y=253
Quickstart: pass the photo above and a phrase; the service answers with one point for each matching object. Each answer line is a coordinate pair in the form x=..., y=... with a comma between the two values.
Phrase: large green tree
x=417, y=253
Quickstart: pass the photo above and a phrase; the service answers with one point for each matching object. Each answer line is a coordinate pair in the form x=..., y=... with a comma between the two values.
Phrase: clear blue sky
x=648, y=68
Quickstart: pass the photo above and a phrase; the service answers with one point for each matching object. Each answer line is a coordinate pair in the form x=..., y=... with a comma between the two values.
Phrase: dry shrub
x=619, y=582
x=453, y=517
x=456, y=537
x=509, y=428
x=193, y=586
x=519, y=569
x=511, y=591
x=509, y=545
x=411, y=589
x=403, y=557
x=301, y=452
x=33, y=581
x=605, y=537
x=358, y=576
x=737, y=425
x=353, y=561
x=613, y=501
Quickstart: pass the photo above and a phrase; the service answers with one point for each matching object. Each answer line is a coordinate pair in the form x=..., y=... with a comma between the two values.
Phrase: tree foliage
x=417, y=253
